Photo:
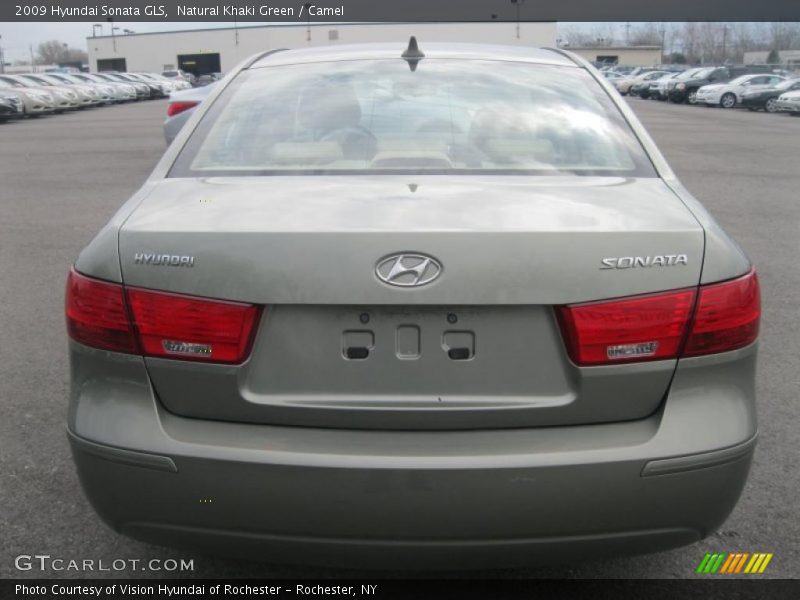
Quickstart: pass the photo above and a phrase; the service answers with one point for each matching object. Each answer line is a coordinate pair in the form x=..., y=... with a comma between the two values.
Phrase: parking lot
x=62, y=177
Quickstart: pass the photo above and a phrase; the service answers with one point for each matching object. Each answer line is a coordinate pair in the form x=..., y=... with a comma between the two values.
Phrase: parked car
x=10, y=107
x=728, y=95
x=13, y=104
x=142, y=89
x=685, y=89
x=207, y=79
x=766, y=98
x=658, y=88
x=168, y=84
x=86, y=95
x=44, y=98
x=123, y=92
x=355, y=316
x=179, y=75
x=180, y=108
x=155, y=89
x=641, y=86
x=624, y=84
x=35, y=101
x=789, y=102
x=105, y=93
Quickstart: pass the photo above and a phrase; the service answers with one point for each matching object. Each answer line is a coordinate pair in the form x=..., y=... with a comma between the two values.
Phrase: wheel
x=728, y=100
x=771, y=105
x=691, y=97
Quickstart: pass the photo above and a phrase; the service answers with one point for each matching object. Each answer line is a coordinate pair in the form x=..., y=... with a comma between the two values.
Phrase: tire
x=691, y=97
x=728, y=100
x=771, y=105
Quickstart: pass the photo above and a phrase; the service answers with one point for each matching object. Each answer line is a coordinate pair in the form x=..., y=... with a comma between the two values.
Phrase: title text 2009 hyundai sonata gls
x=434, y=305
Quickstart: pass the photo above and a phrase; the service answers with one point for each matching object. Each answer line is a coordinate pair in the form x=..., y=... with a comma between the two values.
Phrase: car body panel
x=712, y=94
x=789, y=102
x=172, y=125
x=557, y=460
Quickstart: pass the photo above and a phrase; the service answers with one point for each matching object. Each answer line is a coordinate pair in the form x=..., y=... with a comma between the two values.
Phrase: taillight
x=177, y=107
x=96, y=314
x=663, y=326
x=631, y=329
x=132, y=320
x=727, y=316
x=174, y=326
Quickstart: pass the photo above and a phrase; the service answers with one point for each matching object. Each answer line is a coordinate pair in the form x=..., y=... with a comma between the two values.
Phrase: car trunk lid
x=478, y=347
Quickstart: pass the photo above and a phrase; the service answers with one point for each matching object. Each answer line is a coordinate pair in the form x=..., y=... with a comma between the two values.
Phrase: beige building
x=788, y=57
x=634, y=56
x=219, y=50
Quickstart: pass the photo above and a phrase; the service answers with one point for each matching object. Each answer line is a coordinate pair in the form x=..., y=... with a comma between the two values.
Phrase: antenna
x=412, y=55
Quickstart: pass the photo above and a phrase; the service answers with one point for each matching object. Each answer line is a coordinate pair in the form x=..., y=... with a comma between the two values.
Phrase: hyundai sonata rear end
x=435, y=305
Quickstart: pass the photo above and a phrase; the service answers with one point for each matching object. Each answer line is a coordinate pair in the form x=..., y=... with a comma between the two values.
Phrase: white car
x=659, y=88
x=789, y=102
x=728, y=95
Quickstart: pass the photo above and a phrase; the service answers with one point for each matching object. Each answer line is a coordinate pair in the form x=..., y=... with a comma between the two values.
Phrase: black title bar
x=399, y=10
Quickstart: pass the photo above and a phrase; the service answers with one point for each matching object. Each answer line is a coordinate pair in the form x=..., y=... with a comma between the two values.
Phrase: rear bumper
x=456, y=499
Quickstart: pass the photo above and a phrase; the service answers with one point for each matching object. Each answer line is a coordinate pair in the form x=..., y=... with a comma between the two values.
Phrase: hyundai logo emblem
x=408, y=269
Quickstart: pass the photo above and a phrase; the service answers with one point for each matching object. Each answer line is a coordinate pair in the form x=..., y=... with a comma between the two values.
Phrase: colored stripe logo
x=723, y=563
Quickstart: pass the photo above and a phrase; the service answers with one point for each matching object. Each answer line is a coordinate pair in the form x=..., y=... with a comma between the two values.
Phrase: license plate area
x=404, y=331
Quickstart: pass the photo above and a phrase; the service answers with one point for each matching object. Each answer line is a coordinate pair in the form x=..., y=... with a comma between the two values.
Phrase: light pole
x=307, y=6
x=113, y=37
x=724, y=43
x=518, y=4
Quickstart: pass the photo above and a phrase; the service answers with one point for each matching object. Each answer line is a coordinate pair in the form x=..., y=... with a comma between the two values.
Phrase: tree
x=773, y=58
x=55, y=52
x=677, y=58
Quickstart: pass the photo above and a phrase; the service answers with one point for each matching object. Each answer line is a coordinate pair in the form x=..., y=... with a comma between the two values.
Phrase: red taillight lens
x=164, y=325
x=96, y=314
x=176, y=108
x=627, y=330
x=727, y=316
x=185, y=327
x=654, y=327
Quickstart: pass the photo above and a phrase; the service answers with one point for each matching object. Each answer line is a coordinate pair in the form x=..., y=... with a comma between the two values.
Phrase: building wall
x=155, y=52
x=760, y=57
x=631, y=56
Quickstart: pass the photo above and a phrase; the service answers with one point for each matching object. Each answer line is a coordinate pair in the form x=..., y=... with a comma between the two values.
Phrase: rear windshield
x=447, y=116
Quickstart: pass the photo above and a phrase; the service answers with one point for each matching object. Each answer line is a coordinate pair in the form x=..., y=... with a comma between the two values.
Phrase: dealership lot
x=62, y=178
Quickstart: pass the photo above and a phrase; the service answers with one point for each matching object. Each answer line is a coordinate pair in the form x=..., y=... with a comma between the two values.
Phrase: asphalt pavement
x=62, y=177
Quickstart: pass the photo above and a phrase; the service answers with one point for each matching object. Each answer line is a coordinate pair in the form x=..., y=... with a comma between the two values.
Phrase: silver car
x=437, y=305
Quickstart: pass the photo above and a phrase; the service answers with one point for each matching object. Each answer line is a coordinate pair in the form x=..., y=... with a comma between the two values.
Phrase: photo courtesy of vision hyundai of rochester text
x=413, y=305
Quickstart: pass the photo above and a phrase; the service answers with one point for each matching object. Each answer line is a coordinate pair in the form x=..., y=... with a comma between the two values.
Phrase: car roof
x=346, y=52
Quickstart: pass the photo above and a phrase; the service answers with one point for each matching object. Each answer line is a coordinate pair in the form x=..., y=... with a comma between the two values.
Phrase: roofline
x=312, y=25
x=616, y=47
x=254, y=59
